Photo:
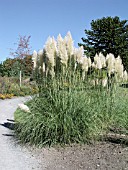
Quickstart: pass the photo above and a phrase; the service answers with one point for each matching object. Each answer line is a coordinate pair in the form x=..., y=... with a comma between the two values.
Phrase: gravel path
x=12, y=155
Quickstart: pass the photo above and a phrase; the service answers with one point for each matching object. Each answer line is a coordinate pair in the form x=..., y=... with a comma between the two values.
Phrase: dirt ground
x=101, y=156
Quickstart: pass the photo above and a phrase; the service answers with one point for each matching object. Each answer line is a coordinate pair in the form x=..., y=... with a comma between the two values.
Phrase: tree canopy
x=107, y=35
x=11, y=67
x=22, y=59
x=23, y=47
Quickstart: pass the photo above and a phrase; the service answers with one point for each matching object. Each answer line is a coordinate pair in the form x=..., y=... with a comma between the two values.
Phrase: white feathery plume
x=52, y=73
x=59, y=38
x=78, y=53
x=34, y=59
x=125, y=76
x=110, y=60
x=97, y=62
x=69, y=43
x=119, y=68
x=92, y=82
x=61, y=50
x=50, y=48
x=104, y=82
x=118, y=63
x=119, y=60
x=40, y=54
x=43, y=67
x=120, y=71
x=96, y=58
x=24, y=107
x=40, y=57
x=102, y=59
x=99, y=65
x=96, y=81
x=110, y=57
x=93, y=65
x=40, y=69
x=89, y=62
x=84, y=63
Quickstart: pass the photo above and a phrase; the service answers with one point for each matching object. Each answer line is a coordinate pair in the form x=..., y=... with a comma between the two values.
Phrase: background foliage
x=107, y=35
x=11, y=67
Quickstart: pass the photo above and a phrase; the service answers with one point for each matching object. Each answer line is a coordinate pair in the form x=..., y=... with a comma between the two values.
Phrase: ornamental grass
x=77, y=100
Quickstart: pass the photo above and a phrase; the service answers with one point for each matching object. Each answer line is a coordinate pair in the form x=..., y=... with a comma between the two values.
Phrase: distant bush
x=10, y=87
x=6, y=96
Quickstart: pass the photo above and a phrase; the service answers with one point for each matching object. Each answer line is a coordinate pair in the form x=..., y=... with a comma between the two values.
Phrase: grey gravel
x=12, y=155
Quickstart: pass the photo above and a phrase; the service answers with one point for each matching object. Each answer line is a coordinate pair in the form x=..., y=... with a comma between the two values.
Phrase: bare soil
x=101, y=156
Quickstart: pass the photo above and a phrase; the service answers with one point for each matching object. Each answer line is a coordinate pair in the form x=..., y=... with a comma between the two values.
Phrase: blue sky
x=43, y=18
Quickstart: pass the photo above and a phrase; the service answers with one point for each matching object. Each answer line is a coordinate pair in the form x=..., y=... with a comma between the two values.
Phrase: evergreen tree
x=107, y=35
x=1, y=69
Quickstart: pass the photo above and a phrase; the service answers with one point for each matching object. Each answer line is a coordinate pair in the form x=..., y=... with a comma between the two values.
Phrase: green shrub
x=11, y=86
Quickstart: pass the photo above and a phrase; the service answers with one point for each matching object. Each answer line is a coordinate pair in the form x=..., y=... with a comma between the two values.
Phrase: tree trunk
x=20, y=78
